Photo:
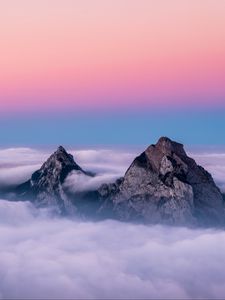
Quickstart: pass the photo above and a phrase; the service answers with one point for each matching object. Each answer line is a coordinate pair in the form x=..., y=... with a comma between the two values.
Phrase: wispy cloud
x=214, y=163
x=42, y=256
x=17, y=164
x=78, y=182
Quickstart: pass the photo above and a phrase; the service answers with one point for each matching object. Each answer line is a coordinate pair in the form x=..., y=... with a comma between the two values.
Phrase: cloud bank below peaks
x=44, y=257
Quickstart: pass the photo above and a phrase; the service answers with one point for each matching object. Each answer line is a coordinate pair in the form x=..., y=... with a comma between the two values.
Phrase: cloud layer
x=214, y=163
x=47, y=257
x=42, y=256
x=17, y=165
x=78, y=182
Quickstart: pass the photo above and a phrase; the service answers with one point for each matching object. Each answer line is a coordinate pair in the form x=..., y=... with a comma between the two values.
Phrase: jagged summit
x=45, y=185
x=163, y=184
x=164, y=140
x=56, y=168
x=60, y=163
x=167, y=146
x=164, y=147
x=61, y=149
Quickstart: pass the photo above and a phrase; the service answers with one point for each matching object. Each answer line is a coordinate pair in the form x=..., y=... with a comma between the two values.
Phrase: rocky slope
x=45, y=187
x=164, y=185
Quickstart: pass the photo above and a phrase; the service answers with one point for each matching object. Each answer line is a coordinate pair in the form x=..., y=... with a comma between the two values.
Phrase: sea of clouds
x=17, y=165
x=44, y=256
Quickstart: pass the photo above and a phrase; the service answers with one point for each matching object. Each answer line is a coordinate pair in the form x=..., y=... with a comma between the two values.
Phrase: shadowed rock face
x=45, y=185
x=164, y=185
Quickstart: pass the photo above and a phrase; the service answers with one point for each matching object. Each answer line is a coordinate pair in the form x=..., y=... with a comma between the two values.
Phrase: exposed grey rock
x=45, y=187
x=164, y=185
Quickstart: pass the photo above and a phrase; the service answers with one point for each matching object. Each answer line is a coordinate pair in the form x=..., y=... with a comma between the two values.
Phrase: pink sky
x=99, y=53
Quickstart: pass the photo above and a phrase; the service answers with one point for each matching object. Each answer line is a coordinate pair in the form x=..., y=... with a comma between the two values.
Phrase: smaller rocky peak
x=62, y=157
x=45, y=186
x=61, y=149
x=57, y=167
x=61, y=152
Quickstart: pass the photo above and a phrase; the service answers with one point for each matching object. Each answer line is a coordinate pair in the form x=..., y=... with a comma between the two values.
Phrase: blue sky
x=113, y=128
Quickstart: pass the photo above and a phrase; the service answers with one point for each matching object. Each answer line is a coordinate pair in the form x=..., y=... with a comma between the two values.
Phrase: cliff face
x=164, y=185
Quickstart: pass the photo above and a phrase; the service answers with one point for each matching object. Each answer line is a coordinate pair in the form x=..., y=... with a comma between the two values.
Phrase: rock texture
x=164, y=185
x=45, y=187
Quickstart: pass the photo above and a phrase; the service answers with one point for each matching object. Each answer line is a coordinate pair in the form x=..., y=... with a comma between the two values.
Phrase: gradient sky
x=117, y=63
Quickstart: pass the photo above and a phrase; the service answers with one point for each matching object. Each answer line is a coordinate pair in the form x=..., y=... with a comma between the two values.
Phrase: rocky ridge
x=162, y=185
x=45, y=188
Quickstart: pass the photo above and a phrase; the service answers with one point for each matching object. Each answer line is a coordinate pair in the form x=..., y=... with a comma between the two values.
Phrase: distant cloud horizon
x=18, y=164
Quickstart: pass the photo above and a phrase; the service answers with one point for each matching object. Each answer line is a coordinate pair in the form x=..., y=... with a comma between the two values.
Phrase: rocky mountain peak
x=61, y=149
x=167, y=147
x=46, y=184
x=57, y=167
x=163, y=184
x=163, y=150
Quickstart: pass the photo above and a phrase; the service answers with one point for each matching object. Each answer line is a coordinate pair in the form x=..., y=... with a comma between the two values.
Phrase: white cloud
x=21, y=156
x=43, y=257
x=104, y=160
x=78, y=182
x=17, y=164
x=108, y=165
x=15, y=175
x=214, y=163
x=47, y=257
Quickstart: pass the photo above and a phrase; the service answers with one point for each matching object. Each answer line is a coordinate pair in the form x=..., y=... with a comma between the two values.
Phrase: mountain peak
x=59, y=164
x=165, y=140
x=61, y=149
x=167, y=146
x=63, y=158
x=164, y=147
x=163, y=184
x=45, y=185
x=61, y=152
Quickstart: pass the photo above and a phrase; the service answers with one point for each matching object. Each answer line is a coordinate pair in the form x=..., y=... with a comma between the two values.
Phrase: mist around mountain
x=45, y=254
x=162, y=185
